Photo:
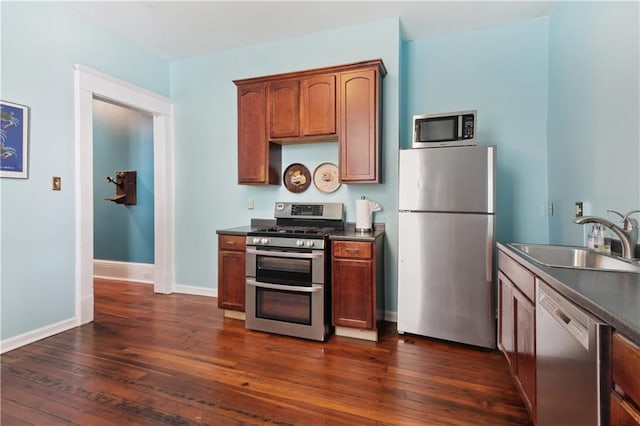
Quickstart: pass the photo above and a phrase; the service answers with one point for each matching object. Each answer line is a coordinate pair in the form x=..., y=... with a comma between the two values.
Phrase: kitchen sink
x=574, y=257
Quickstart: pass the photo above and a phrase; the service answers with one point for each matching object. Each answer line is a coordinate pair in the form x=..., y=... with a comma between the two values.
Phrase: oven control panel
x=329, y=211
x=286, y=242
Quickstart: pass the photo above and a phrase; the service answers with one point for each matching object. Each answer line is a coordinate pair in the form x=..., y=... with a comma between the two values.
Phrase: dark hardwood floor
x=173, y=359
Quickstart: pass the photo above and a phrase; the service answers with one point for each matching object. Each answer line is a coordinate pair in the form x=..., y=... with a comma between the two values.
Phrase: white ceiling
x=179, y=29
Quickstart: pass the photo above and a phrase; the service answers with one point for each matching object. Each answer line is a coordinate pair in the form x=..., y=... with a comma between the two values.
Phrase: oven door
x=290, y=267
x=289, y=310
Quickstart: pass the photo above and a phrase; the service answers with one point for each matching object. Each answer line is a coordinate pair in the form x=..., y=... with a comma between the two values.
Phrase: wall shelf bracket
x=125, y=183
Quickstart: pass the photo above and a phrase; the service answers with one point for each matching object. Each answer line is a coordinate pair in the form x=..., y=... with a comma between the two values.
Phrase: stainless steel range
x=288, y=275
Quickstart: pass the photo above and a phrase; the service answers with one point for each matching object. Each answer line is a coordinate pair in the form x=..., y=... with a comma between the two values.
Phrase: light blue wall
x=594, y=112
x=501, y=72
x=207, y=194
x=122, y=140
x=40, y=42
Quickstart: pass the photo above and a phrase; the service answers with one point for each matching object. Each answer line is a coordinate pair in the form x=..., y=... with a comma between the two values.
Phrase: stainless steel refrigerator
x=446, y=244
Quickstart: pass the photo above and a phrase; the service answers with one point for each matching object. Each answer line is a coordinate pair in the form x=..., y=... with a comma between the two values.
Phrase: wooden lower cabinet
x=525, y=348
x=625, y=396
x=357, y=288
x=517, y=326
x=231, y=273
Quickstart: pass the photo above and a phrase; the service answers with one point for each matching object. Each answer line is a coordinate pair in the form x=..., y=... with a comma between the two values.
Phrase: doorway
x=89, y=85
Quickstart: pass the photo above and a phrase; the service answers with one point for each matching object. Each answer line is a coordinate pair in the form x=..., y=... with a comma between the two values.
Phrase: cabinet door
x=284, y=109
x=623, y=413
x=359, y=132
x=254, y=151
x=318, y=108
x=231, y=272
x=525, y=347
x=506, y=319
x=353, y=286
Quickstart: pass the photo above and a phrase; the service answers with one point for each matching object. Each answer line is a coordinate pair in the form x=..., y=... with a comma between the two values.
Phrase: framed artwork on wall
x=14, y=140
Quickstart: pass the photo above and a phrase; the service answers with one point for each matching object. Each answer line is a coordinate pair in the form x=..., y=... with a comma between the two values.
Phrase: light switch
x=250, y=204
x=56, y=184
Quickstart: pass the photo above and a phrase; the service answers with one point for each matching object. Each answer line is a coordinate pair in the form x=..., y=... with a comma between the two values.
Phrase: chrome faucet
x=628, y=233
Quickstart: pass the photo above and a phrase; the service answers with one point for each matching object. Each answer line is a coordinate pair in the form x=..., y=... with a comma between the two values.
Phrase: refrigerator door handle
x=488, y=267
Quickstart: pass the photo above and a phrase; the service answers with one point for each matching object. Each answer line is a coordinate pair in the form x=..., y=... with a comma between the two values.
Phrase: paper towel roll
x=364, y=211
x=363, y=216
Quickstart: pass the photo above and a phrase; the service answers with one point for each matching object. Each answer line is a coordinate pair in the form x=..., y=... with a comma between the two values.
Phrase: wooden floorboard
x=152, y=359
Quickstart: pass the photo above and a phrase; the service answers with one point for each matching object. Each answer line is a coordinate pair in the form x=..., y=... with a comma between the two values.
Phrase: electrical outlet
x=579, y=209
x=250, y=204
x=56, y=183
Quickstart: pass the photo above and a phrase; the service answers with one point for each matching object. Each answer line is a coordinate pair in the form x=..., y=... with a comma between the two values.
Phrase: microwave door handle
x=313, y=289
x=289, y=254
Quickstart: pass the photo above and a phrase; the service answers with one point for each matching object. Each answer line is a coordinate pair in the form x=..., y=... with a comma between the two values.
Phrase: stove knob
x=264, y=241
x=299, y=243
x=256, y=240
x=310, y=244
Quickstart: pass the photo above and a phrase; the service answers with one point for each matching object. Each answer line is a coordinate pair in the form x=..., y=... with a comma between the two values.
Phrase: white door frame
x=89, y=84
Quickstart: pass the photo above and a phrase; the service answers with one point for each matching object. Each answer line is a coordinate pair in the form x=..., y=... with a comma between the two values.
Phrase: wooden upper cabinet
x=284, y=109
x=318, y=106
x=258, y=160
x=340, y=103
x=302, y=108
x=359, y=147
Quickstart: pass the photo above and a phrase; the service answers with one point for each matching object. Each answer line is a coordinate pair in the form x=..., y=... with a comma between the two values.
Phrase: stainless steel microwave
x=445, y=129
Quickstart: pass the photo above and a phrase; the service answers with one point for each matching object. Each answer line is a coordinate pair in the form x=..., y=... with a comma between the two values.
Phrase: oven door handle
x=289, y=254
x=313, y=289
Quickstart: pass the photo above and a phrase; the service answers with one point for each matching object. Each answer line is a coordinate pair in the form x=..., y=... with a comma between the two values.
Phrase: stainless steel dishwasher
x=573, y=363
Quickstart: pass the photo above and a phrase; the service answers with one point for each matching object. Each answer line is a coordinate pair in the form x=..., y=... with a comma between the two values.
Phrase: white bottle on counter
x=601, y=245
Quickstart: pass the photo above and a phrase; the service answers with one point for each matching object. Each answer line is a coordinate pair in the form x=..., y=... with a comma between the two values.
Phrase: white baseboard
x=195, y=290
x=35, y=335
x=123, y=271
x=391, y=316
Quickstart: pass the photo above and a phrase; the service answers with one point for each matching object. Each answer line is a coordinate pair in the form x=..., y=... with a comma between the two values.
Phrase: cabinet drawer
x=352, y=249
x=623, y=413
x=518, y=274
x=626, y=367
x=231, y=242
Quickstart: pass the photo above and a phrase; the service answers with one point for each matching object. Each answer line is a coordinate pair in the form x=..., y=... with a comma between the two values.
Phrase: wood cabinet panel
x=284, y=109
x=519, y=275
x=626, y=368
x=352, y=249
x=622, y=412
x=318, y=108
x=359, y=135
x=231, y=272
x=258, y=160
x=506, y=319
x=525, y=347
x=517, y=326
x=353, y=304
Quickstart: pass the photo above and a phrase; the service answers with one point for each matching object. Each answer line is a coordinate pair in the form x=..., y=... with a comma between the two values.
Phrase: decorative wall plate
x=297, y=177
x=325, y=177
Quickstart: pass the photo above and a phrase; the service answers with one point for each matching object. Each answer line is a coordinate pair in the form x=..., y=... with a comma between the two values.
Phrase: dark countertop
x=350, y=233
x=243, y=230
x=613, y=297
x=238, y=230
